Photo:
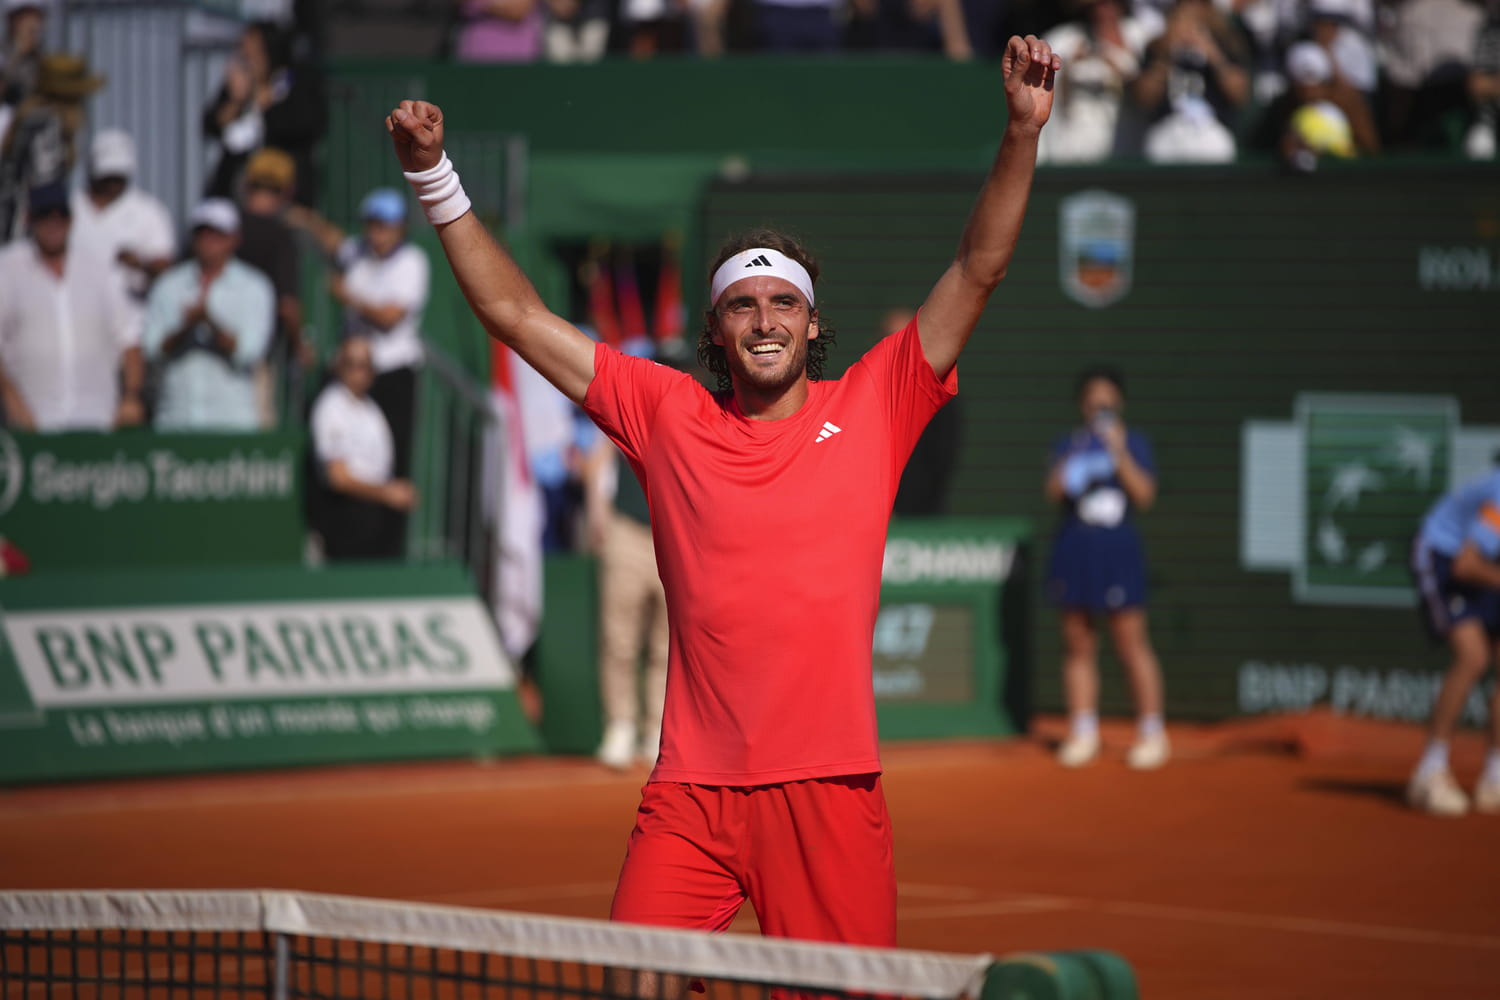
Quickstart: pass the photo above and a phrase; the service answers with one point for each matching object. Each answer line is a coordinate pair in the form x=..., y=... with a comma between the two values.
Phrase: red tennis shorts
x=813, y=857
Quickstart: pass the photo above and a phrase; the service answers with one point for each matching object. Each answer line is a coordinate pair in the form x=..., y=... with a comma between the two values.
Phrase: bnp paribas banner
x=137, y=498
x=156, y=674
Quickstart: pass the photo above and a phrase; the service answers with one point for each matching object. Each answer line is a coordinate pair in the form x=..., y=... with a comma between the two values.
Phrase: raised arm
x=989, y=239
x=498, y=291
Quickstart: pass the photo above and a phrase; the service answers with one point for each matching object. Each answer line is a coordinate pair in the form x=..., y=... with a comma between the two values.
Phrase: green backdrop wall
x=1245, y=290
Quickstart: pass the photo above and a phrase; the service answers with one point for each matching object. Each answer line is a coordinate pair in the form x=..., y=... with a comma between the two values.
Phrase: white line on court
x=1265, y=921
x=929, y=891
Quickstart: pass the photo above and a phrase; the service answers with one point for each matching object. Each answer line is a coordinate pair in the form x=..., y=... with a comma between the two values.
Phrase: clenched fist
x=416, y=129
x=1030, y=69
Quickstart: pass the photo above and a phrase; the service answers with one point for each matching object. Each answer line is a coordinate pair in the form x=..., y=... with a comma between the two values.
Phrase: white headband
x=757, y=261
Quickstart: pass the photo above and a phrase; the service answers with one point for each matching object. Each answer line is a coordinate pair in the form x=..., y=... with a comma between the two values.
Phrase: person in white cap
x=130, y=226
x=208, y=323
x=769, y=505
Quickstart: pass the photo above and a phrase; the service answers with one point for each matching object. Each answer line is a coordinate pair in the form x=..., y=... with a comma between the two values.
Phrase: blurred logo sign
x=946, y=560
x=1335, y=495
x=1096, y=247
x=12, y=472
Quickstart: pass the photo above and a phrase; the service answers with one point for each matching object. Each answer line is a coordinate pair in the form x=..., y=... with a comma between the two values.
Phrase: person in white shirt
x=69, y=348
x=129, y=226
x=208, y=323
x=382, y=284
x=363, y=507
x=1103, y=50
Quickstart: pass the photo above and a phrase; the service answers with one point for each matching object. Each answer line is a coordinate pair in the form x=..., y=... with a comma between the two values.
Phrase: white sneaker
x=1437, y=792
x=1149, y=752
x=1487, y=796
x=1078, y=749
x=651, y=746
x=618, y=748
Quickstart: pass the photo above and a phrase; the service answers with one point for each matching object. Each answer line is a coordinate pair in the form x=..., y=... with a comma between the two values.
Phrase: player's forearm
x=994, y=227
x=511, y=311
x=495, y=286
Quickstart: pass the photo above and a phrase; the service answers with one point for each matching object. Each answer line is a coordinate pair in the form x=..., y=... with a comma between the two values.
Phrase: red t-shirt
x=769, y=537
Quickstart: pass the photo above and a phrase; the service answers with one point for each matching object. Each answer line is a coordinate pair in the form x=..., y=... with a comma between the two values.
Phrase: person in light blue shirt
x=208, y=324
x=1456, y=563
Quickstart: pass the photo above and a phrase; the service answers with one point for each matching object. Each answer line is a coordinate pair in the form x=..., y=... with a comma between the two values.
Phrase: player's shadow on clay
x=1392, y=792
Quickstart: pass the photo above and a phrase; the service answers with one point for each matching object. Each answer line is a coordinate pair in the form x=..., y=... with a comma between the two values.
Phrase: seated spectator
x=382, y=285
x=652, y=27
x=1193, y=86
x=267, y=99
x=1344, y=28
x=269, y=244
x=208, y=323
x=129, y=226
x=988, y=24
x=38, y=147
x=69, y=352
x=362, y=514
x=1484, y=88
x=1426, y=49
x=492, y=31
x=1321, y=115
x=577, y=30
x=1268, y=27
x=788, y=26
x=910, y=26
x=1102, y=52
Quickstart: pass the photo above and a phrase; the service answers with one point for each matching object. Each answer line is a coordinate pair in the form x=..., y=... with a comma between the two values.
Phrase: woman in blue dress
x=1101, y=473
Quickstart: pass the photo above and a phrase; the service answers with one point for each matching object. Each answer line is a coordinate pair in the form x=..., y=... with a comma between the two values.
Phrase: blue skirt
x=1097, y=569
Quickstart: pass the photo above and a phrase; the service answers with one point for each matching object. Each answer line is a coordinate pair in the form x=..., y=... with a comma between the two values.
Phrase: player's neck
x=770, y=404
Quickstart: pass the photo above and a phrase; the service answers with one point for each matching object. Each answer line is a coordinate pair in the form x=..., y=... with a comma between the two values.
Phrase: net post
x=991, y=988
x=281, y=977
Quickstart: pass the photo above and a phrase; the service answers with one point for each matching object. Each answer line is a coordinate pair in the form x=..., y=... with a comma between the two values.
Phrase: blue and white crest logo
x=12, y=472
x=1096, y=247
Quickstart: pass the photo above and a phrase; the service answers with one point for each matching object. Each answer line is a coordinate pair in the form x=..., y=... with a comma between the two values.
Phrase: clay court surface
x=1271, y=859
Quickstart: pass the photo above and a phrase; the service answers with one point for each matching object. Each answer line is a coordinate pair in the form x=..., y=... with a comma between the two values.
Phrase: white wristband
x=439, y=191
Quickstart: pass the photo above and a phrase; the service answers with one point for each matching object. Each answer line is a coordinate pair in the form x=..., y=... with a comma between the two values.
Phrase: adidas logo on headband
x=775, y=263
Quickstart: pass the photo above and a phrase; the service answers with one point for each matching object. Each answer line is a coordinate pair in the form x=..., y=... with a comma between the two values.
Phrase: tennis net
x=283, y=946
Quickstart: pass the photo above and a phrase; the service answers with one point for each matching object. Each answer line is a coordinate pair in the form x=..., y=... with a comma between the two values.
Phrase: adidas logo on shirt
x=828, y=431
x=760, y=261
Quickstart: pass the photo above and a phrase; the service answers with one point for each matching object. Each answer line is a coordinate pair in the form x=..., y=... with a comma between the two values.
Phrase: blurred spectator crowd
x=1170, y=80
x=115, y=314
x=110, y=319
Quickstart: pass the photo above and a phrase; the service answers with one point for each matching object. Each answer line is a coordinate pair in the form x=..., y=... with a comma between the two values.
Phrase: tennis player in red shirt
x=769, y=507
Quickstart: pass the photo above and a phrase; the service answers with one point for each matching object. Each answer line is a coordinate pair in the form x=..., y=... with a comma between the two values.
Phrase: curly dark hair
x=711, y=355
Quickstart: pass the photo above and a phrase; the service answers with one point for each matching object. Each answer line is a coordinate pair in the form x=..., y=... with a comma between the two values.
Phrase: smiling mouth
x=766, y=350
